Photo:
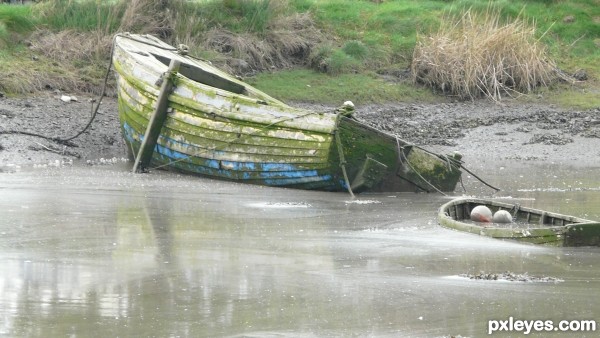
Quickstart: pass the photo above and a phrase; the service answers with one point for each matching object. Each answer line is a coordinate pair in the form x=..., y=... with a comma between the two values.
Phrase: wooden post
x=156, y=120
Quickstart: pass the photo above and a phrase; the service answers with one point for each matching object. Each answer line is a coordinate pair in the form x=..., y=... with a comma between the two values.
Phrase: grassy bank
x=323, y=51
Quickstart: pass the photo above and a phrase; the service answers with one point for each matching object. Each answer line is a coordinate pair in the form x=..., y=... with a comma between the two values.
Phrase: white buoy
x=502, y=216
x=481, y=213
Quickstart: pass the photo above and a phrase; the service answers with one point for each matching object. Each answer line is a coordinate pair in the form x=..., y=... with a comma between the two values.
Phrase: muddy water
x=99, y=252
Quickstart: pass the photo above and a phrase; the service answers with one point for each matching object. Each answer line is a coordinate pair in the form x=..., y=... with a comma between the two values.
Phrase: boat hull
x=217, y=126
x=530, y=225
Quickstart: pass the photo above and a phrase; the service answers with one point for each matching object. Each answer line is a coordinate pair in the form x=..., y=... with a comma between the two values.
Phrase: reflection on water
x=101, y=252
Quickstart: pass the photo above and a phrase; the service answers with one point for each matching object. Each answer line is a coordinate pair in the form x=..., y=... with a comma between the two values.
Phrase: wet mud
x=49, y=116
x=485, y=132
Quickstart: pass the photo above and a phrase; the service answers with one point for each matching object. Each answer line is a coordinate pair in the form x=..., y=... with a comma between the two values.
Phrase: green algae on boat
x=220, y=127
x=529, y=225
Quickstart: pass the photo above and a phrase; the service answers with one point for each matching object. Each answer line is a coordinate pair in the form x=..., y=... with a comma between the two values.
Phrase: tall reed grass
x=479, y=55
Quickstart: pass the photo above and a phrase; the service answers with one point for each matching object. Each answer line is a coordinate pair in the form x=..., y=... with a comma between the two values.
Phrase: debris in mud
x=289, y=205
x=363, y=202
x=66, y=98
x=550, y=139
x=511, y=277
x=109, y=139
x=525, y=158
x=106, y=161
x=523, y=129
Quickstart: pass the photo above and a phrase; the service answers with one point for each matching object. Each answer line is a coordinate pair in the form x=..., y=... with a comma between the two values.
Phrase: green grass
x=304, y=85
x=580, y=97
x=79, y=15
x=362, y=38
x=14, y=20
x=569, y=29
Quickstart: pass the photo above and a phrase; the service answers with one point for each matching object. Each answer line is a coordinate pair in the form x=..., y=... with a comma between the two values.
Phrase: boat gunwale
x=227, y=146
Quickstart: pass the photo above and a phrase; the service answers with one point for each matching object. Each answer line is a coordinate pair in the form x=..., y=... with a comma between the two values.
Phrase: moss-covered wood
x=409, y=168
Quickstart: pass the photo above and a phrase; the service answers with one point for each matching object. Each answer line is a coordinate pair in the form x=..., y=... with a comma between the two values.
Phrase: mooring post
x=156, y=120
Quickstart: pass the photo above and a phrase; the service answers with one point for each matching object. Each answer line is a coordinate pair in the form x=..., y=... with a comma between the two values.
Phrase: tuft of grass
x=479, y=55
x=356, y=49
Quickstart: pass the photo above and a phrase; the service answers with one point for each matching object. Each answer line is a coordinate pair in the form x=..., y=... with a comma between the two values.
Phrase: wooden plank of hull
x=189, y=153
x=195, y=145
x=209, y=131
x=272, y=174
x=196, y=119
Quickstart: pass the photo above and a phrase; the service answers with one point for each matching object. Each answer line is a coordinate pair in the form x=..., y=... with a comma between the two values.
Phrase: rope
x=480, y=180
x=458, y=164
x=338, y=140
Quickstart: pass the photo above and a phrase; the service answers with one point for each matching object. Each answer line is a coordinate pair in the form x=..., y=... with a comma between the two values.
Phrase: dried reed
x=478, y=55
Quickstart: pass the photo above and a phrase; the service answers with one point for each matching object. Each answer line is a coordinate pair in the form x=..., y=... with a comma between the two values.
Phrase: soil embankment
x=487, y=134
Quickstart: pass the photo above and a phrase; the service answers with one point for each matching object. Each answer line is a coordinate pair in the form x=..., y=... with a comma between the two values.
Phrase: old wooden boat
x=529, y=225
x=217, y=126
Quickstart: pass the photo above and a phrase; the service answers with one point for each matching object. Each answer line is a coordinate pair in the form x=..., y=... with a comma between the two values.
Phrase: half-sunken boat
x=209, y=123
x=529, y=225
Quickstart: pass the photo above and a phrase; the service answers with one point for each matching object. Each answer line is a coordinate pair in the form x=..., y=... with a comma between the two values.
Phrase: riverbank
x=489, y=135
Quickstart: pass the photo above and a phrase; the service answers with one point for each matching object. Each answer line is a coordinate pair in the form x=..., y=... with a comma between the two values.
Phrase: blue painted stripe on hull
x=235, y=170
x=233, y=165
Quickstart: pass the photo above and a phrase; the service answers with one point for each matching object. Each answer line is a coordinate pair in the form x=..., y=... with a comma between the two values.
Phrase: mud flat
x=488, y=134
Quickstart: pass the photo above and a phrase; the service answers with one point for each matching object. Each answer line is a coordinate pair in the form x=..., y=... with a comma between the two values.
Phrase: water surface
x=100, y=252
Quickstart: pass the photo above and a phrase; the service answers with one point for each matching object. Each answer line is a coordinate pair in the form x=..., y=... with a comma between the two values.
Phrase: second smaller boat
x=529, y=225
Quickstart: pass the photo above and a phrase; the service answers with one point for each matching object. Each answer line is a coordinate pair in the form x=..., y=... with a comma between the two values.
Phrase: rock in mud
x=550, y=139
